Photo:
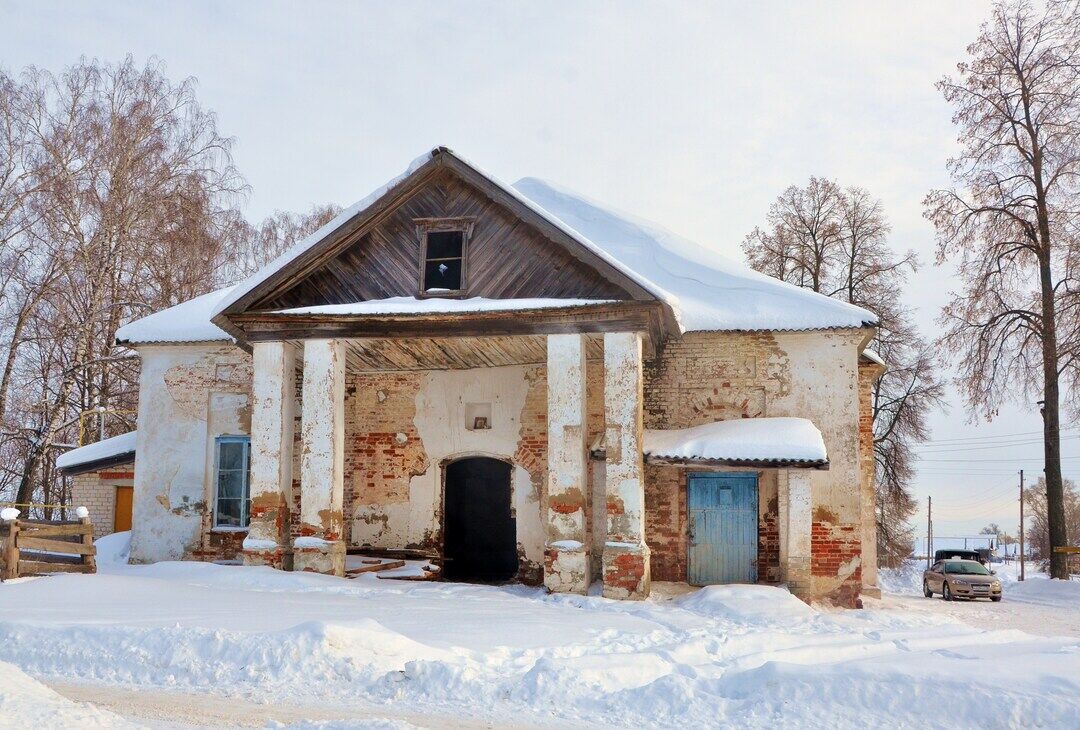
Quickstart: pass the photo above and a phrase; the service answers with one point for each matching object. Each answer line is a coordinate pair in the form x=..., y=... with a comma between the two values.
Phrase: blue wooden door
x=723, y=513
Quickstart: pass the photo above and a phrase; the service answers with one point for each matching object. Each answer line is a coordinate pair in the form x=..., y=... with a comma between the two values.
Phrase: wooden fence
x=38, y=547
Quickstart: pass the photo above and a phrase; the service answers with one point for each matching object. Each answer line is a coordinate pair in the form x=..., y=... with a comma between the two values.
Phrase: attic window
x=443, y=255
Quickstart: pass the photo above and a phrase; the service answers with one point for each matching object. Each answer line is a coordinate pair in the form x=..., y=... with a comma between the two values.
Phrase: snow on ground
x=442, y=654
x=1037, y=605
x=26, y=702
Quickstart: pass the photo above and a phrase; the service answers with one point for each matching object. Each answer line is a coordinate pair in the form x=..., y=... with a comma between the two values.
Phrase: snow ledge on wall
x=779, y=439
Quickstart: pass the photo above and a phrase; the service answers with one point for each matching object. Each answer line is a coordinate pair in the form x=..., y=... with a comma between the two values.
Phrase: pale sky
x=694, y=115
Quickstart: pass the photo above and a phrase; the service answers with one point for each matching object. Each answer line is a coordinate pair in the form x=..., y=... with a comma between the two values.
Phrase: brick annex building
x=517, y=382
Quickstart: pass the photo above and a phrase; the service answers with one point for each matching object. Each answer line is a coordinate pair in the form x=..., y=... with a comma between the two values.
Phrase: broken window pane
x=442, y=275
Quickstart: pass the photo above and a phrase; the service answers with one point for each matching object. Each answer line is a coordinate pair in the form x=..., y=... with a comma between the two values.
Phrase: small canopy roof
x=110, y=452
x=775, y=442
x=185, y=322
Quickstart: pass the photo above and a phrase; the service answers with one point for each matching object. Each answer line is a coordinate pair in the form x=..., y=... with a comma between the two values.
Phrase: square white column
x=626, y=557
x=274, y=373
x=799, y=530
x=566, y=555
x=320, y=547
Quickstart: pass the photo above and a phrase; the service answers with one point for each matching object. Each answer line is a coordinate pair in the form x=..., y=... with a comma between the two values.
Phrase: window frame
x=245, y=499
x=424, y=226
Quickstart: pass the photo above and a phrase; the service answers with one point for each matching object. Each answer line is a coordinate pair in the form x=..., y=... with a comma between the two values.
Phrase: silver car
x=961, y=579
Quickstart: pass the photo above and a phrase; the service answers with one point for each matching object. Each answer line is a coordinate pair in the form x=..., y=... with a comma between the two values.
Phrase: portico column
x=267, y=541
x=626, y=556
x=566, y=555
x=320, y=547
x=799, y=527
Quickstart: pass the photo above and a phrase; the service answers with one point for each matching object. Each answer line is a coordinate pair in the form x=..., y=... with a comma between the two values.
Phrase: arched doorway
x=479, y=533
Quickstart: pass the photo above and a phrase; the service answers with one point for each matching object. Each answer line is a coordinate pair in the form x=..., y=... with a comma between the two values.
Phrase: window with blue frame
x=232, y=467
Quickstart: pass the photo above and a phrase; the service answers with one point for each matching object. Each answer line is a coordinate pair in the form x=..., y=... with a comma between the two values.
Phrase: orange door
x=122, y=513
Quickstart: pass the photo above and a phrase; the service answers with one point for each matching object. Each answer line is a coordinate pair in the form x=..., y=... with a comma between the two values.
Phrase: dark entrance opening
x=480, y=535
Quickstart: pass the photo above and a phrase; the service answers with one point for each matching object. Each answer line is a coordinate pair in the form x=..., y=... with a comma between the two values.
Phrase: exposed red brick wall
x=532, y=442
x=217, y=546
x=769, y=544
x=383, y=449
x=833, y=548
x=665, y=521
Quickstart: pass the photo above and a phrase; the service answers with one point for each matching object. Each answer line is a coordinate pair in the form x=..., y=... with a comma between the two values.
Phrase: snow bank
x=26, y=703
x=1039, y=589
x=114, y=549
x=111, y=447
x=186, y=322
x=745, y=439
x=748, y=656
x=438, y=305
x=746, y=603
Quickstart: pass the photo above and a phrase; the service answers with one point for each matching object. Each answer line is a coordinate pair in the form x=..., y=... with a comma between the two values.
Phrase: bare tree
x=118, y=197
x=1036, y=505
x=1011, y=222
x=120, y=164
x=835, y=242
x=258, y=245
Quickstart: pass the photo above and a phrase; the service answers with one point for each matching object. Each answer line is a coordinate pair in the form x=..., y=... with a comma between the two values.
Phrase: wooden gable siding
x=506, y=258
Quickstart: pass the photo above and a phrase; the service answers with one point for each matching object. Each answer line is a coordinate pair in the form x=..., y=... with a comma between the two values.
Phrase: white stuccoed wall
x=823, y=372
x=188, y=395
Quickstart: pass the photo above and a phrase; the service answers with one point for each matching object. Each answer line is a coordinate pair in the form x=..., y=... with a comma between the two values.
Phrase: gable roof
x=703, y=290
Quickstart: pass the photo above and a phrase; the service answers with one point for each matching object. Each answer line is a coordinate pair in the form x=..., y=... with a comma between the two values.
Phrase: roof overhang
x=630, y=316
x=104, y=463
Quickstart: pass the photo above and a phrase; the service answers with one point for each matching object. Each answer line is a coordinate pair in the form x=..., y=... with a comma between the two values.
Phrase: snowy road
x=188, y=645
x=1036, y=606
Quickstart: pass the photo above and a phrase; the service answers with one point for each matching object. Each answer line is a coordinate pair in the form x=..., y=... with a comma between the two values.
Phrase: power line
x=1011, y=444
x=996, y=437
x=1007, y=461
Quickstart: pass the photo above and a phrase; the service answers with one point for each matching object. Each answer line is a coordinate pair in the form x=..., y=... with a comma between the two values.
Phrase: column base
x=266, y=552
x=627, y=572
x=316, y=555
x=566, y=567
x=798, y=578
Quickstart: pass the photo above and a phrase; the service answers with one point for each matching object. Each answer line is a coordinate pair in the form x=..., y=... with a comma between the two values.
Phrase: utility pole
x=929, y=532
x=1021, y=524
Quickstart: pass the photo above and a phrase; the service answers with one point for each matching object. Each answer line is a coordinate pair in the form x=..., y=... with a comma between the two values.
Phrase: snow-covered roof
x=438, y=305
x=704, y=289
x=713, y=291
x=114, y=450
x=304, y=244
x=186, y=322
x=778, y=440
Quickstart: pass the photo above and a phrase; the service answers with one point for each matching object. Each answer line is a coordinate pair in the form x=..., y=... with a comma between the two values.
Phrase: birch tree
x=1010, y=224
